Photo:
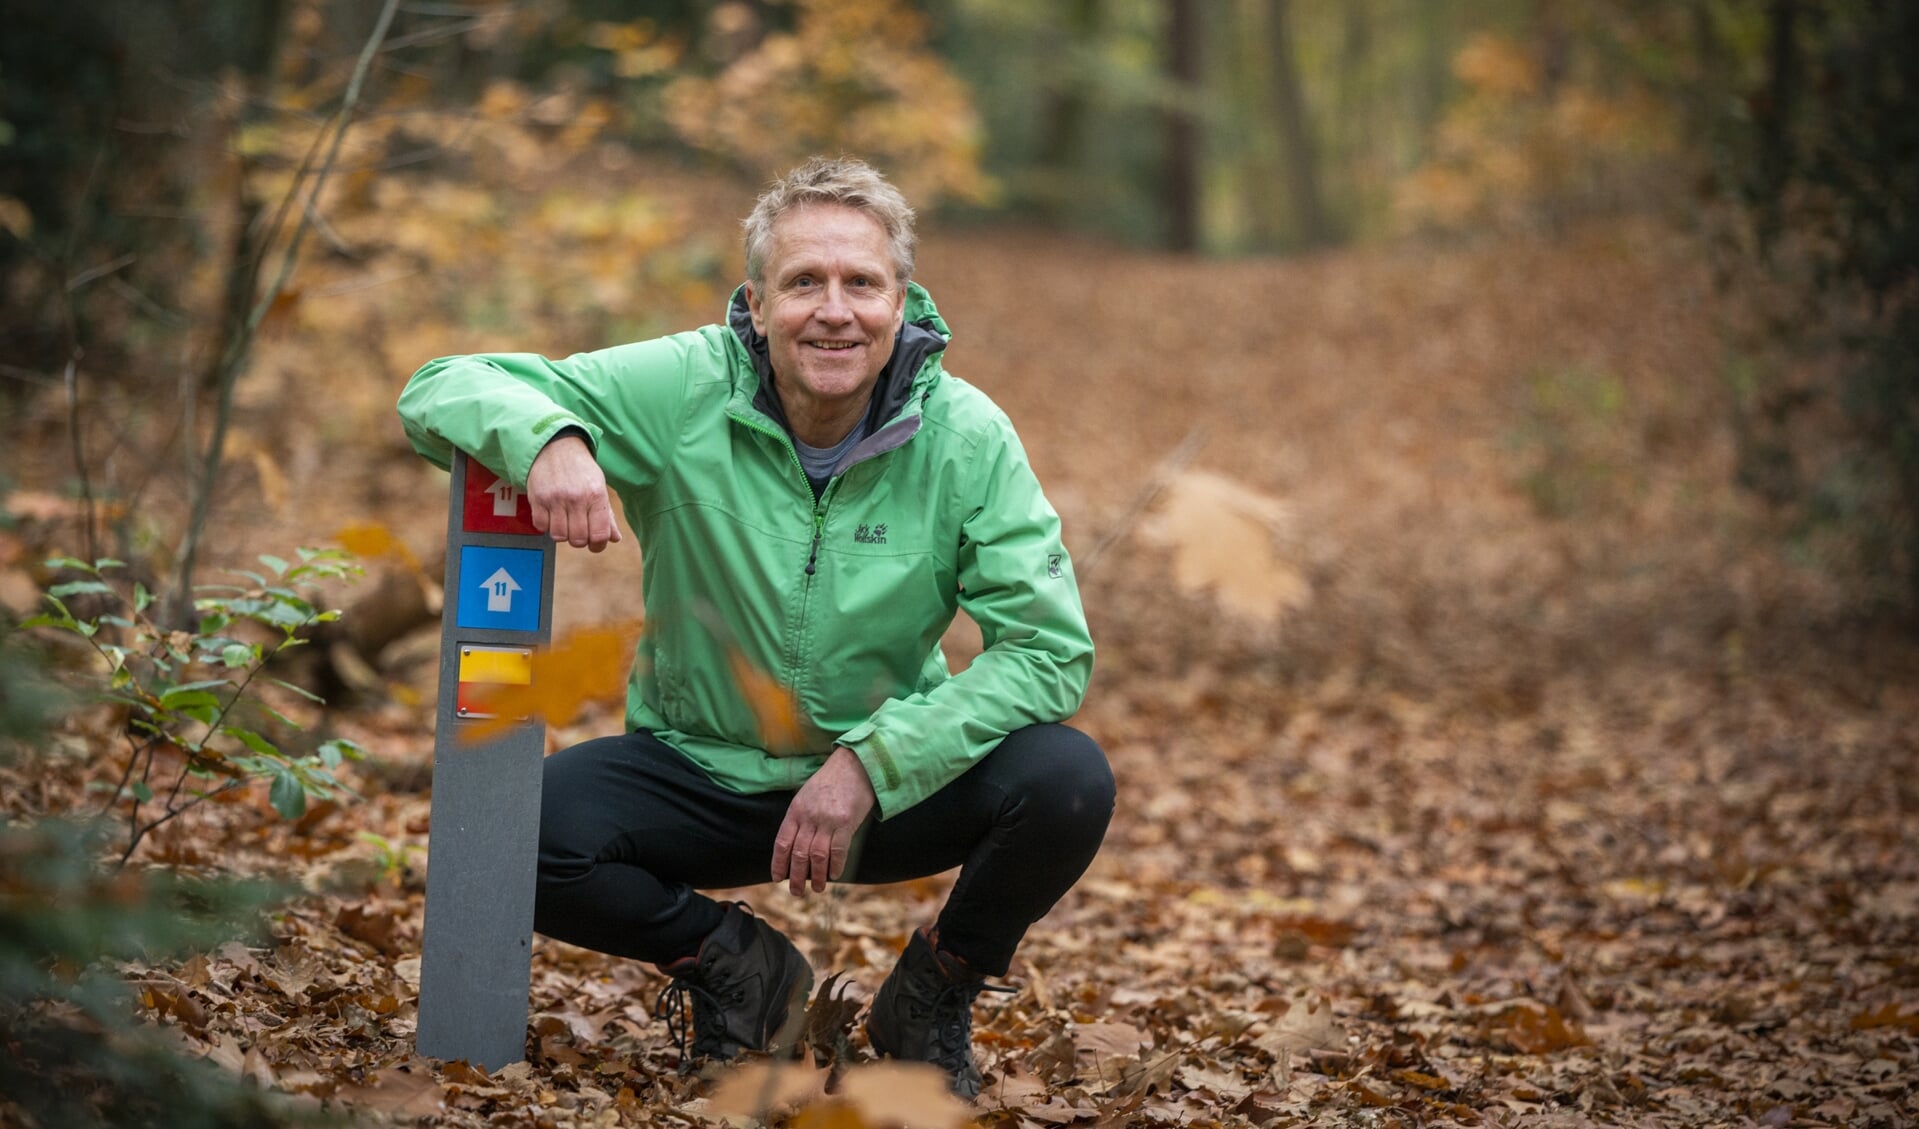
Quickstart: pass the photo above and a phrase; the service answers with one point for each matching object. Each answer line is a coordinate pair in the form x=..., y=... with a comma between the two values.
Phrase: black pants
x=629, y=829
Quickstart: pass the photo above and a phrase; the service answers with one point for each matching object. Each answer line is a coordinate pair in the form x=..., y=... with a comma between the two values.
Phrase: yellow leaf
x=903, y=1094
x=367, y=540
x=1225, y=539
x=15, y=218
x=831, y=1114
x=757, y=1089
x=773, y=705
x=589, y=665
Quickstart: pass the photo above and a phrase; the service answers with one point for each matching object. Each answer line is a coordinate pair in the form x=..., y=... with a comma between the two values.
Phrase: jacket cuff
x=882, y=770
x=543, y=433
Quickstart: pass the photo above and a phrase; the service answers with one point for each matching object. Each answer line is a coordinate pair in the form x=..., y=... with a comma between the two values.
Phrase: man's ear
x=753, y=309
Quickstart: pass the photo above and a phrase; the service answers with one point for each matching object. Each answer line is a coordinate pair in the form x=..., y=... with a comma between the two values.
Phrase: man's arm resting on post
x=505, y=409
x=566, y=490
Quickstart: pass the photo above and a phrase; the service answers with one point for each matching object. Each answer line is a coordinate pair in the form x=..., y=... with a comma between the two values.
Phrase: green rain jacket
x=843, y=599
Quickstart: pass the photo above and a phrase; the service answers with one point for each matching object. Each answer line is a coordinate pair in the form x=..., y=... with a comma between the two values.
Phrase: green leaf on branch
x=300, y=690
x=279, y=717
x=288, y=795
x=334, y=751
x=238, y=654
x=80, y=587
x=278, y=565
x=192, y=695
x=251, y=740
x=140, y=791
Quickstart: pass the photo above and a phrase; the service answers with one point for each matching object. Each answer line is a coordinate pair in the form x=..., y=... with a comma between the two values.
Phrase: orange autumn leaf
x=372, y=540
x=587, y=666
x=368, y=540
x=1891, y=1015
x=772, y=703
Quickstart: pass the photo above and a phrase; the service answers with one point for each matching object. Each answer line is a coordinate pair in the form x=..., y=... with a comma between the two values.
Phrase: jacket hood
x=923, y=334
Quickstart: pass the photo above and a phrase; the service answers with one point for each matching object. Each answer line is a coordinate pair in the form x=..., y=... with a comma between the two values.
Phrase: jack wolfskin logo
x=1052, y=566
x=870, y=534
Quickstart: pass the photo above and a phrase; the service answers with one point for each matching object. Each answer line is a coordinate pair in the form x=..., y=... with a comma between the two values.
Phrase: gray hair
x=832, y=180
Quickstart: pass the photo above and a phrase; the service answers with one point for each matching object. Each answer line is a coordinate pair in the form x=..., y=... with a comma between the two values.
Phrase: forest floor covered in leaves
x=1484, y=756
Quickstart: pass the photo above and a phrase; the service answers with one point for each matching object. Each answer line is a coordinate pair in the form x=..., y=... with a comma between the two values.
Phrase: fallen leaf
x=1891, y=1015
x=1533, y=1028
x=397, y=1090
x=759, y=1089
x=1224, y=537
x=1145, y=1075
x=830, y=1015
x=904, y=1094
x=1112, y=1040
x=1304, y=1027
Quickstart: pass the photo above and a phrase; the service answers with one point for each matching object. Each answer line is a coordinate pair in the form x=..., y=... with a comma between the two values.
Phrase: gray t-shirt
x=818, y=462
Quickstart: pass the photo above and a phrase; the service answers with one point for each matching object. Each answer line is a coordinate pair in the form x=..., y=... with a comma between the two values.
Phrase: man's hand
x=567, y=491
x=819, y=825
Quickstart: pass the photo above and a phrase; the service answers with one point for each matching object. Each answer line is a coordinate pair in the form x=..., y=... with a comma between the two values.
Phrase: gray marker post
x=483, y=840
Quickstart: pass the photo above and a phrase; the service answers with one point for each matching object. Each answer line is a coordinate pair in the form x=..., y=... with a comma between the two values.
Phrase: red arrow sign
x=494, y=505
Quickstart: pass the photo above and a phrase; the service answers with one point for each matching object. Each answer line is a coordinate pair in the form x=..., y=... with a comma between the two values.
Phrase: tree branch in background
x=233, y=359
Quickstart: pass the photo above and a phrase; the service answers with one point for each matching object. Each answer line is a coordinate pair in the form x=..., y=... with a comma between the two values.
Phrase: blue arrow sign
x=500, y=588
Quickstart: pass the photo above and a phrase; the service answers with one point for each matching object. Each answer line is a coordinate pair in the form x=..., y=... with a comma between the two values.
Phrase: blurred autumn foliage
x=852, y=78
x=1503, y=610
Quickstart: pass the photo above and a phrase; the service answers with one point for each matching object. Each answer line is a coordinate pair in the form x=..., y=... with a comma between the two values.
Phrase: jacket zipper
x=792, y=671
x=819, y=527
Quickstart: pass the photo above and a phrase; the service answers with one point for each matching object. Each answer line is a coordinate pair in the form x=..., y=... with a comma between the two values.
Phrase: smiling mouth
x=834, y=346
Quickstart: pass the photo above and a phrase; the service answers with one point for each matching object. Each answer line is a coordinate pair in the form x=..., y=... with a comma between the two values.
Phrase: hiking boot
x=747, y=986
x=924, y=1012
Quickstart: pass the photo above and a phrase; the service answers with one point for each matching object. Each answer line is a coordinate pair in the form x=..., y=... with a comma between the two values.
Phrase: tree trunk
x=1181, y=186
x=1773, y=115
x=1060, y=137
x=1435, y=58
x=1301, y=152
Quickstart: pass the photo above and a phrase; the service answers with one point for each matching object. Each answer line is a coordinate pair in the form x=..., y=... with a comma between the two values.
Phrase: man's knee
x=1062, y=773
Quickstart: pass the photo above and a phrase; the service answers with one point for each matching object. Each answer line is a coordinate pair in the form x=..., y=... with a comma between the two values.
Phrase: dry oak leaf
x=829, y=1017
x=910, y=1095
x=409, y=1093
x=1891, y=1015
x=1220, y=1080
x=758, y=1089
x=1534, y=1028
x=1225, y=540
x=1109, y=1040
x=1144, y=1075
x=1304, y=1027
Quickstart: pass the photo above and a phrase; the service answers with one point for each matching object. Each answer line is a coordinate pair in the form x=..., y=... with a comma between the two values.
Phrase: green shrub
x=195, y=695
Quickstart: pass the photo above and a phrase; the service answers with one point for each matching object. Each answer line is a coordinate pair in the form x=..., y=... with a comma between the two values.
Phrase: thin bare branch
x=235, y=356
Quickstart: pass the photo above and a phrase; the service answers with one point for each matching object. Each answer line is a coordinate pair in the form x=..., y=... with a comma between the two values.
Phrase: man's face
x=829, y=307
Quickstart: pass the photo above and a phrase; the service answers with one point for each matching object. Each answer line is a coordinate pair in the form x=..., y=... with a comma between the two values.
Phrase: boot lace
x=707, y=1026
x=948, y=1015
